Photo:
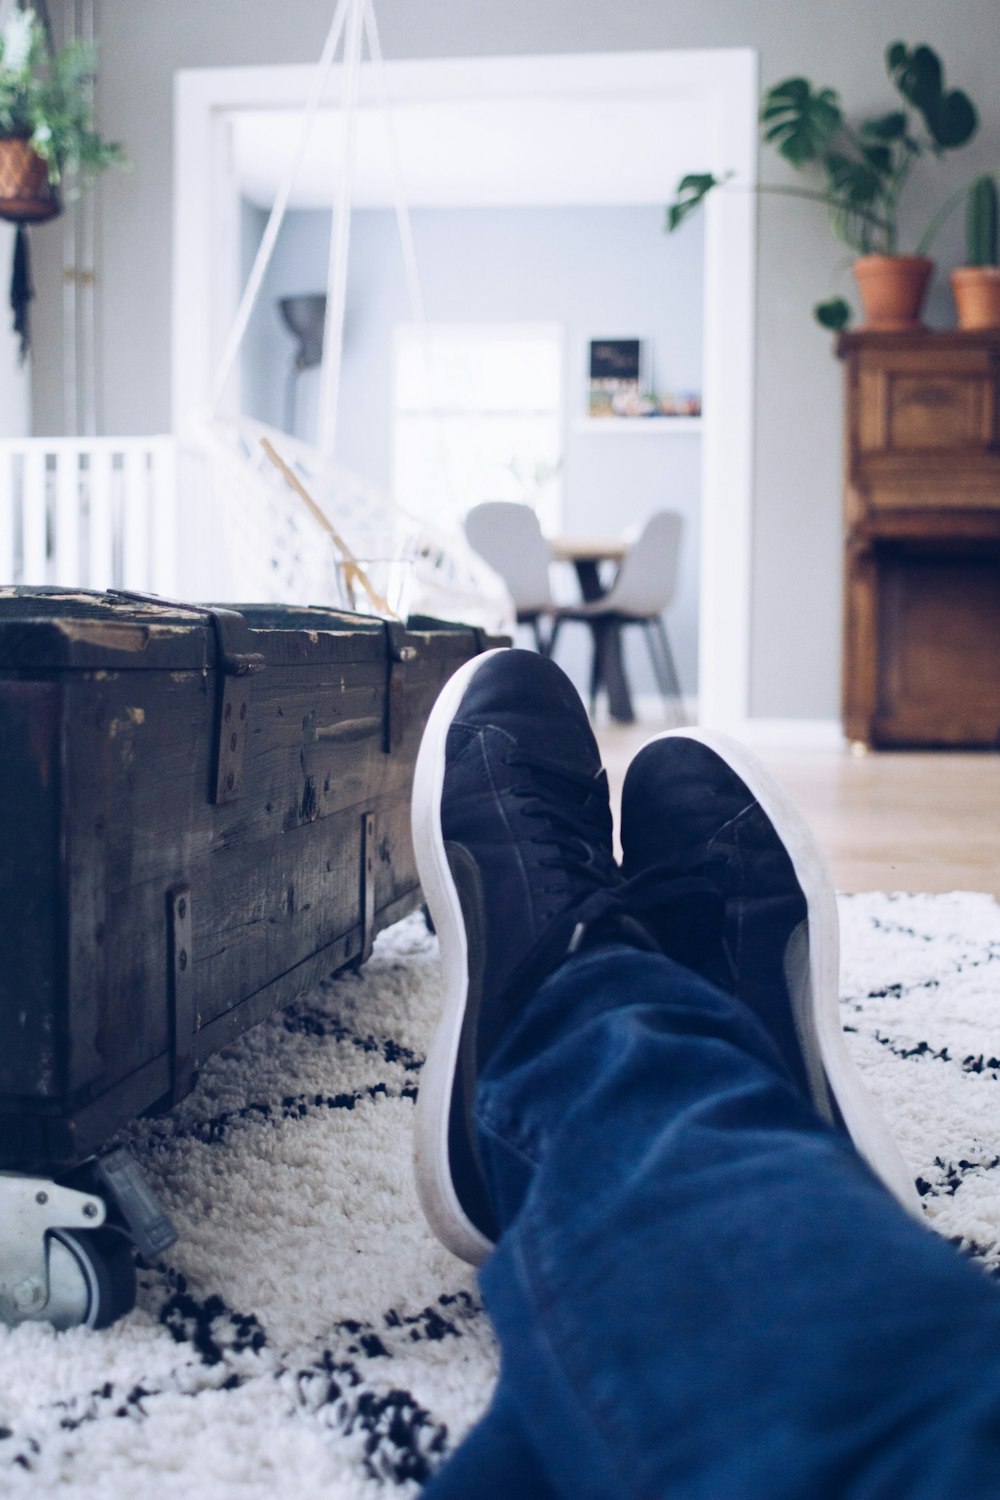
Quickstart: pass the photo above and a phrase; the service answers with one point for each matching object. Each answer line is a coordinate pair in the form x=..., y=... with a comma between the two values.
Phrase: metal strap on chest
x=237, y=663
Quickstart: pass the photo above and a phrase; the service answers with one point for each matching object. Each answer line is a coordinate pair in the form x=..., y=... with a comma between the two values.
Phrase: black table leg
x=607, y=634
x=611, y=669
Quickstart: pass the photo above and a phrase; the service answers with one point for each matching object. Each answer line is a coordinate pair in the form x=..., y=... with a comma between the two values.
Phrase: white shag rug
x=306, y=1338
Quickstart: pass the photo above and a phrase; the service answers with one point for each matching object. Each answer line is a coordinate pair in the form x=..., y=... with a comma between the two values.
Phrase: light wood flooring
x=887, y=821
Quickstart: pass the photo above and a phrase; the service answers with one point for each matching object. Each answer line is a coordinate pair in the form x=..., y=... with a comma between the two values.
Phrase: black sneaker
x=512, y=832
x=699, y=806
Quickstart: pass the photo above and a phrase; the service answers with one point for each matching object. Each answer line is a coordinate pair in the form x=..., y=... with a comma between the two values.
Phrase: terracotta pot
x=892, y=290
x=25, y=194
x=976, y=290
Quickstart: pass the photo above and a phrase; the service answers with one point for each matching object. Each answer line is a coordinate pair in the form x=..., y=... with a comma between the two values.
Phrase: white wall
x=795, y=633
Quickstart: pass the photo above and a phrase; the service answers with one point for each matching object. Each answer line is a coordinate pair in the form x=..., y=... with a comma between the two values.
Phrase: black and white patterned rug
x=306, y=1337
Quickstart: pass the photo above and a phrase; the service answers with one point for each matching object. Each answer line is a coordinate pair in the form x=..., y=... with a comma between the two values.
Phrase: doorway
x=542, y=130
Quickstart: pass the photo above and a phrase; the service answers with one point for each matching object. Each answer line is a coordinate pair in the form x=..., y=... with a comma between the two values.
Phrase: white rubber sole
x=819, y=1022
x=435, y=1188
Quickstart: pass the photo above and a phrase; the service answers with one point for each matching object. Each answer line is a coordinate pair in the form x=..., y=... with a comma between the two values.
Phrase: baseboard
x=650, y=709
x=771, y=734
x=792, y=734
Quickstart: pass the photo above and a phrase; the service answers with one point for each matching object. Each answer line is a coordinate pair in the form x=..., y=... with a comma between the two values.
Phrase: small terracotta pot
x=892, y=290
x=25, y=194
x=976, y=290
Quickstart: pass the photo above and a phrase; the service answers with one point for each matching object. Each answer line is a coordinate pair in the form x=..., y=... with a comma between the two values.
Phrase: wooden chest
x=203, y=812
x=922, y=532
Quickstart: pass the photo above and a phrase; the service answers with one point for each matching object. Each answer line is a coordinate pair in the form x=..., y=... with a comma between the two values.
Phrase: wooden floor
x=887, y=821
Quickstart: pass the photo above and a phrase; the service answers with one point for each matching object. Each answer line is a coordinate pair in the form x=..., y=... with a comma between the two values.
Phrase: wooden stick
x=352, y=568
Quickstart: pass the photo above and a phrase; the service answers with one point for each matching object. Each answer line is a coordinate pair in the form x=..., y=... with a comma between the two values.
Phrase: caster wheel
x=91, y=1278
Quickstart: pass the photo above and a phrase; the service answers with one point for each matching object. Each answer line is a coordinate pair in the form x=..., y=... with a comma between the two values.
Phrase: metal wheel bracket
x=148, y=1223
x=29, y=1208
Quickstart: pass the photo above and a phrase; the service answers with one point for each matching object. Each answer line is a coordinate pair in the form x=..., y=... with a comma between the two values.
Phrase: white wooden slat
x=66, y=567
x=114, y=512
x=163, y=499
x=135, y=519
x=8, y=460
x=34, y=568
x=100, y=563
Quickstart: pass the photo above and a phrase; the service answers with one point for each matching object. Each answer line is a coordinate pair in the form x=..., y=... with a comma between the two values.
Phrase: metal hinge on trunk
x=399, y=650
x=237, y=665
x=180, y=981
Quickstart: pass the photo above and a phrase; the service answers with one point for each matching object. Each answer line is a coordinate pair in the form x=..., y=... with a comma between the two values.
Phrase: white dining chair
x=643, y=588
x=508, y=536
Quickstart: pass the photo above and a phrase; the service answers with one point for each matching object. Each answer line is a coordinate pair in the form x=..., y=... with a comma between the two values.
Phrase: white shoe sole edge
x=435, y=1187
x=862, y=1118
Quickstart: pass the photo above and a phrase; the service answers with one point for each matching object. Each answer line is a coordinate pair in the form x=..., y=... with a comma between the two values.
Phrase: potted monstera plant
x=858, y=171
x=49, y=143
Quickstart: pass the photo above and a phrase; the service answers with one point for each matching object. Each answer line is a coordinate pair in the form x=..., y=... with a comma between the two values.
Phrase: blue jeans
x=700, y=1290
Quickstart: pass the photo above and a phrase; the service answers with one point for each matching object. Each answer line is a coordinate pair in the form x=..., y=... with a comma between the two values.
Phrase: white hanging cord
x=336, y=281
x=442, y=444
x=266, y=249
x=403, y=223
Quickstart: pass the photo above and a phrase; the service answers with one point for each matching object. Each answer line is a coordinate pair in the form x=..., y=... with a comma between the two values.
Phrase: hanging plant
x=50, y=147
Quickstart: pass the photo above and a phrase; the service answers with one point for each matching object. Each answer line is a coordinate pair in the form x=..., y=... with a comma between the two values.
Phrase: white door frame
x=205, y=293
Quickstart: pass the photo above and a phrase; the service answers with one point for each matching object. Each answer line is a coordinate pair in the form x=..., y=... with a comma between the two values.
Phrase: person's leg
x=699, y=1288
x=495, y=1460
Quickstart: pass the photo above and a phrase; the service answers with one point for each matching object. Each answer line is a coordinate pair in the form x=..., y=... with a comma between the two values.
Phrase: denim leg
x=701, y=1291
x=496, y=1461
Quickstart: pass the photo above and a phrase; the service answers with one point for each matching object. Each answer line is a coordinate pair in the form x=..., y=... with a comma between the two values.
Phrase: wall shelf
x=616, y=426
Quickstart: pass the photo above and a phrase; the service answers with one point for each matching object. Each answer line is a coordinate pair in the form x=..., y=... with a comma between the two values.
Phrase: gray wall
x=593, y=271
x=796, y=568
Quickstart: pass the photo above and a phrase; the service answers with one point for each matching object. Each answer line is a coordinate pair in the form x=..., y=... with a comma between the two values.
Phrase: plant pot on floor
x=892, y=291
x=976, y=290
x=26, y=196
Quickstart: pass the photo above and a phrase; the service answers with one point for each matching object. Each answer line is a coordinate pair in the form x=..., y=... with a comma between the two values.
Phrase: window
x=478, y=416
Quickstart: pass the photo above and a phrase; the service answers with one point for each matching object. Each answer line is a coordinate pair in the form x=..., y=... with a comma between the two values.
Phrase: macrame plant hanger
x=356, y=18
x=32, y=201
x=451, y=580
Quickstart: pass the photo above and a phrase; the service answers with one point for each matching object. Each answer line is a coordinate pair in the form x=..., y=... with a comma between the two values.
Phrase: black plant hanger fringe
x=21, y=290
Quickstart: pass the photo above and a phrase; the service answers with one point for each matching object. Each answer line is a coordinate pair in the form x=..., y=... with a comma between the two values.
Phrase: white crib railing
x=89, y=512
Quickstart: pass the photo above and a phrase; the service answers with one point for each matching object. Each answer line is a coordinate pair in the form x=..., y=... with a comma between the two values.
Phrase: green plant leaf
x=879, y=158
x=919, y=77
x=800, y=121
x=891, y=127
x=853, y=179
x=834, y=313
x=691, y=191
x=956, y=120
x=917, y=73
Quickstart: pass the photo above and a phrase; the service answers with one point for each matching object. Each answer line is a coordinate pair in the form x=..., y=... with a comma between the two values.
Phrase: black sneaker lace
x=573, y=806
